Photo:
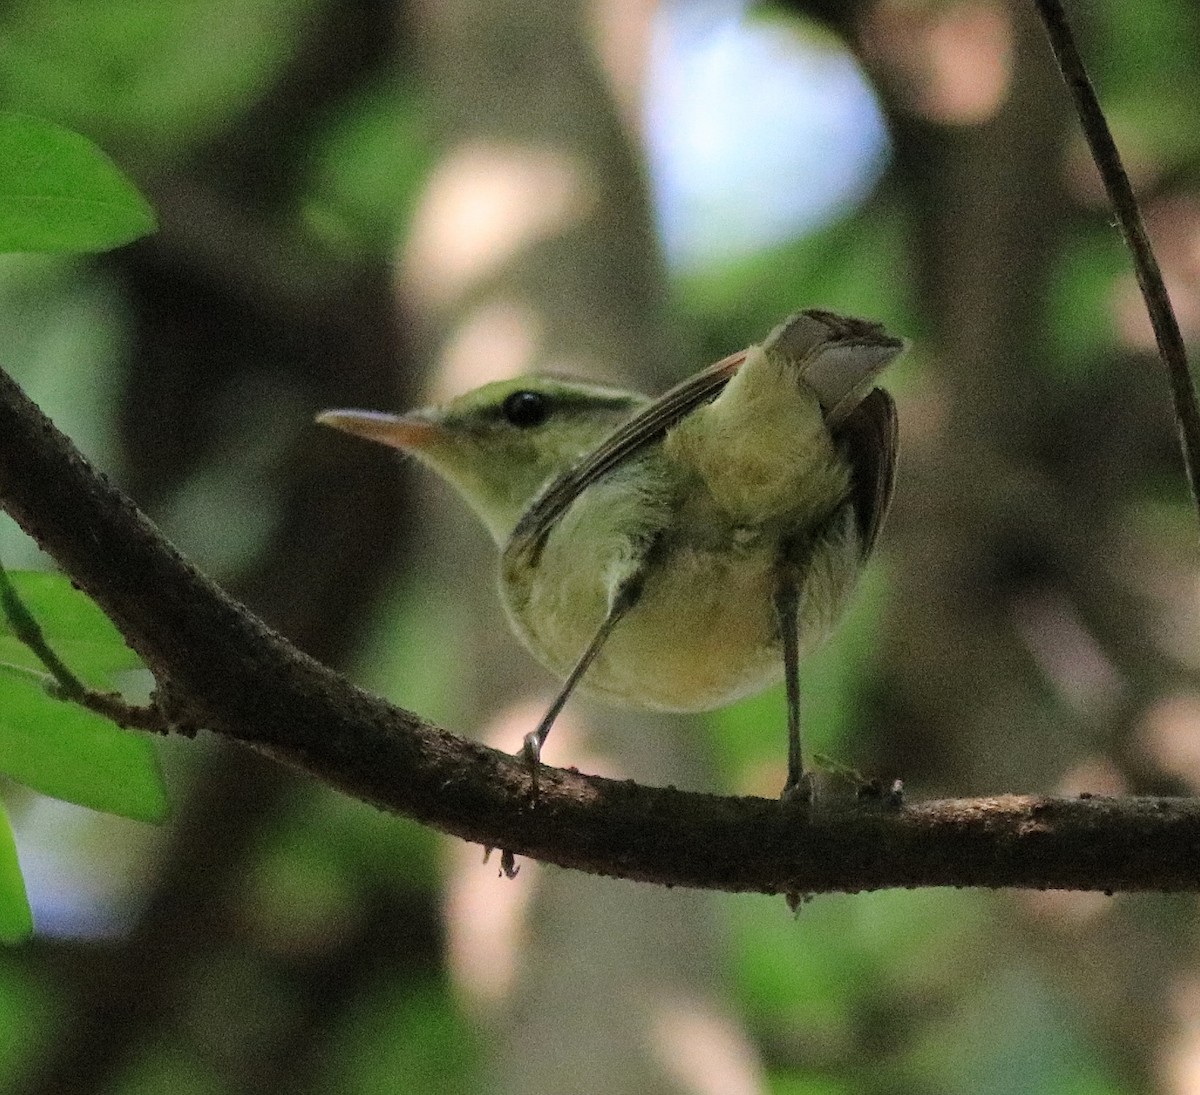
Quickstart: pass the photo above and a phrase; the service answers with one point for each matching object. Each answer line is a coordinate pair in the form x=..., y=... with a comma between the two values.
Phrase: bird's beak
x=415, y=430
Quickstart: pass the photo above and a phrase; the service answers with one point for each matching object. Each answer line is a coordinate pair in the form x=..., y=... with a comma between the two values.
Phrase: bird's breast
x=703, y=633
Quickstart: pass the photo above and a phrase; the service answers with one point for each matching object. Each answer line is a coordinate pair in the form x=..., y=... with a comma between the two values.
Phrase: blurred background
x=376, y=204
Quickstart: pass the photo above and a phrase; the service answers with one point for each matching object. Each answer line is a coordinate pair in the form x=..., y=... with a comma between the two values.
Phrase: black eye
x=526, y=409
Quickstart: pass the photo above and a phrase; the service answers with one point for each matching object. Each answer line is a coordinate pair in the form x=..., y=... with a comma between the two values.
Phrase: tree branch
x=222, y=668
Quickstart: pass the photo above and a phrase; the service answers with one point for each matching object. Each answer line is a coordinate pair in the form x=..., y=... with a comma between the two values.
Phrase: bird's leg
x=624, y=598
x=798, y=787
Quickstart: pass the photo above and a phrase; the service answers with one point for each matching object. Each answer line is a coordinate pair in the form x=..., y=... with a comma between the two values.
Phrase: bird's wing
x=643, y=429
x=838, y=357
x=869, y=437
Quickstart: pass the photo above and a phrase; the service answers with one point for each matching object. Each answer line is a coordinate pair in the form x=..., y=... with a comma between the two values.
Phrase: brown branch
x=228, y=671
x=1129, y=216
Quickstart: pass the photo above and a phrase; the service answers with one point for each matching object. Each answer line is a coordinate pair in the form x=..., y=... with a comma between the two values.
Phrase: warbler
x=683, y=552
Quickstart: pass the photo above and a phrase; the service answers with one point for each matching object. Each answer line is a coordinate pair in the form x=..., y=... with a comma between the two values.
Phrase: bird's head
x=500, y=444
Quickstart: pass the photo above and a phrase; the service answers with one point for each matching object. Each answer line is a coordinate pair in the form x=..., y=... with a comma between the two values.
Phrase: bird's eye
x=526, y=409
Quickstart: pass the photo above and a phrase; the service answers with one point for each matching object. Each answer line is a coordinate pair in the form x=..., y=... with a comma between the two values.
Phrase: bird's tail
x=838, y=357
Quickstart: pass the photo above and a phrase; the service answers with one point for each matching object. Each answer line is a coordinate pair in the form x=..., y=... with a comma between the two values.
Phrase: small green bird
x=683, y=552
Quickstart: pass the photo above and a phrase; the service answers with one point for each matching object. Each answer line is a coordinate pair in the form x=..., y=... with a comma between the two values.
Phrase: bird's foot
x=796, y=901
x=508, y=861
x=531, y=753
x=888, y=795
x=800, y=790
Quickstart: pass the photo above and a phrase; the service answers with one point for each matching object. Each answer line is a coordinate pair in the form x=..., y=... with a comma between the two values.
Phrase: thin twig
x=67, y=686
x=129, y=716
x=29, y=631
x=1129, y=216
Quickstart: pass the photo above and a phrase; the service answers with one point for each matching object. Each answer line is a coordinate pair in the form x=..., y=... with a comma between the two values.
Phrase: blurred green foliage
x=412, y=1031
x=370, y=164
x=26, y=1006
x=150, y=77
x=849, y=265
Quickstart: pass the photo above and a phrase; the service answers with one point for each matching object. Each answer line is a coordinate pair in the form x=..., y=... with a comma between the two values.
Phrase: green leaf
x=69, y=752
x=73, y=625
x=16, y=919
x=156, y=78
x=59, y=192
x=367, y=171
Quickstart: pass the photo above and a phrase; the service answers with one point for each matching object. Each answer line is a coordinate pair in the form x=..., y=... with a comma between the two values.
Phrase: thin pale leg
x=787, y=612
x=625, y=598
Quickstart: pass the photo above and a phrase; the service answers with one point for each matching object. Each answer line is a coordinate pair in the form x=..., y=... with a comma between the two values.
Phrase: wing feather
x=838, y=356
x=869, y=437
x=642, y=430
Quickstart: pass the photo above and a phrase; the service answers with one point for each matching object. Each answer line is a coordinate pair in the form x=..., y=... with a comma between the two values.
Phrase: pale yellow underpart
x=725, y=488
